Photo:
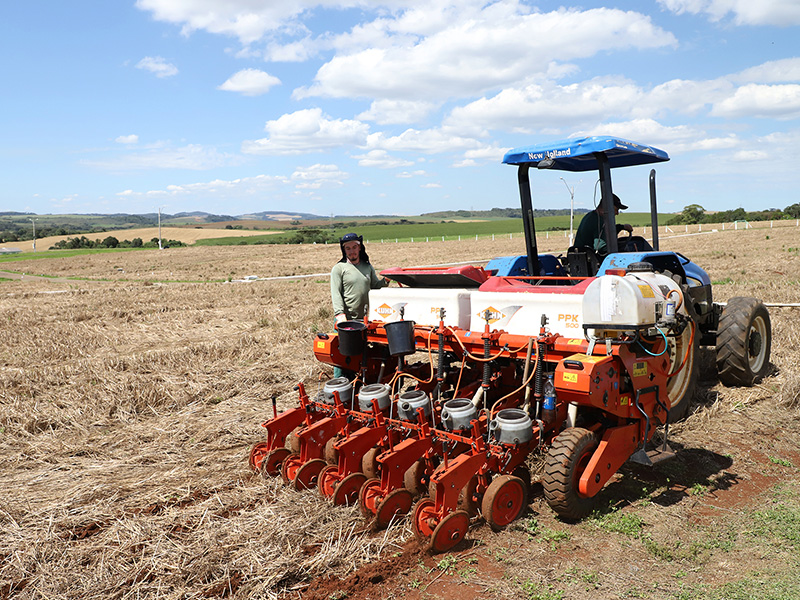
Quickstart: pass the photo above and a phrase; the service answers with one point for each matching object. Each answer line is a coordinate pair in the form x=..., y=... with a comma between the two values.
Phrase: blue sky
x=389, y=106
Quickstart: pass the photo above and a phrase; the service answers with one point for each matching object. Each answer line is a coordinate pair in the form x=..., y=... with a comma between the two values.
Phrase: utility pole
x=34, y=232
x=571, y=206
x=159, y=228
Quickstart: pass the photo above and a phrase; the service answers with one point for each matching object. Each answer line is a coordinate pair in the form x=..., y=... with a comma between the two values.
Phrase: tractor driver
x=591, y=232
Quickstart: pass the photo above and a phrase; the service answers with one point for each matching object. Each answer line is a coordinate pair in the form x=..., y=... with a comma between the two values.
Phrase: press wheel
x=346, y=491
x=257, y=454
x=467, y=500
x=450, y=531
x=327, y=480
x=273, y=462
x=307, y=475
x=415, y=479
x=504, y=500
x=330, y=453
x=397, y=502
x=369, y=463
x=369, y=496
x=292, y=441
x=290, y=466
x=425, y=519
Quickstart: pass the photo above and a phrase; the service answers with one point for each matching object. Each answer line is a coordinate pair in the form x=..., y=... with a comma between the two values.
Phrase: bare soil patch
x=128, y=407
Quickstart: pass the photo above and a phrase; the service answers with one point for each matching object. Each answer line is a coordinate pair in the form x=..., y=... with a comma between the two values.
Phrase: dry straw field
x=130, y=398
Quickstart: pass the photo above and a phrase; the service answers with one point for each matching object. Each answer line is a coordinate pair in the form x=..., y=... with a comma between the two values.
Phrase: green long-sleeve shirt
x=350, y=286
x=591, y=232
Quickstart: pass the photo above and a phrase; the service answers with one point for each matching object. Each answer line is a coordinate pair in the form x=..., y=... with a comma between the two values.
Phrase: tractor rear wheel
x=744, y=341
x=566, y=461
x=680, y=387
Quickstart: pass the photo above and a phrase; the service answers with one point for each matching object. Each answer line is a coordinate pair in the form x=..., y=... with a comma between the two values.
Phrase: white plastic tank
x=520, y=313
x=421, y=305
x=634, y=300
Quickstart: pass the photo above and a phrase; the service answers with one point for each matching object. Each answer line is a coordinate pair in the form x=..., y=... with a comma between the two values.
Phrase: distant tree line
x=74, y=243
x=695, y=214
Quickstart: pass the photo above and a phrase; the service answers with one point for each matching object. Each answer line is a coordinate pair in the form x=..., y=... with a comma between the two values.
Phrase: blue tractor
x=739, y=330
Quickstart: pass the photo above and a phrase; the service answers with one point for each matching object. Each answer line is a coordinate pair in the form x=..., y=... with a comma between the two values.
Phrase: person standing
x=351, y=280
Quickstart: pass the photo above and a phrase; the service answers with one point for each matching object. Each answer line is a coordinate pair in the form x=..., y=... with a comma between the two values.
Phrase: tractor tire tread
x=733, y=365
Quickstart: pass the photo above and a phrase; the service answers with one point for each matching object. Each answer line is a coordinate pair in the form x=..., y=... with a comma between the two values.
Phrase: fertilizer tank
x=631, y=300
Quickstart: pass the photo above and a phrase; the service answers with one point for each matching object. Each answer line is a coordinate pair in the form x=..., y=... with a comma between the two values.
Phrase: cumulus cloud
x=410, y=174
x=389, y=112
x=783, y=13
x=382, y=160
x=316, y=176
x=158, y=66
x=307, y=130
x=755, y=100
x=482, y=48
x=775, y=71
x=250, y=82
x=536, y=105
x=677, y=139
x=127, y=139
x=429, y=141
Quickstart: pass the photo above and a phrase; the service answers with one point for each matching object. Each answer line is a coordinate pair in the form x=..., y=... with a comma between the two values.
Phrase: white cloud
x=193, y=157
x=307, y=130
x=315, y=176
x=429, y=141
x=158, y=66
x=774, y=71
x=480, y=49
x=783, y=13
x=218, y=188
x=753, y=100
x=431, y=185
x=250, y=82
x=127, y=139
x=537, y=106
x=409, y=175
x=750, y=155
x=386, y=112
x=472, y=158
x=677, y=139
x=382, y=160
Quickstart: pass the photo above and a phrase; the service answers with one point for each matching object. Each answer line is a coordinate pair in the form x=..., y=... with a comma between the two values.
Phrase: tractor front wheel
x=744, y=341
x=566, y=461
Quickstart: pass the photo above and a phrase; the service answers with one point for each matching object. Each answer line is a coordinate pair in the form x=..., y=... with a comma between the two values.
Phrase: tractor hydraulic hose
x=525, y=372
x=685, y=356
x=440, y=358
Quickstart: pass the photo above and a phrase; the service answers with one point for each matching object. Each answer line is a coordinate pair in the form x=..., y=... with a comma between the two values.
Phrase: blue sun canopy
x=578, y=154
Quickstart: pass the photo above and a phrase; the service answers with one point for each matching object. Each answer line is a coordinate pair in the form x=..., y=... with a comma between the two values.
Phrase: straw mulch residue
x=127, y=411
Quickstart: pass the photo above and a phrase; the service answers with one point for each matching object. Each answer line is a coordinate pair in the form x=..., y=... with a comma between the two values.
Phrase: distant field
x=181, y=234
x=450, y=230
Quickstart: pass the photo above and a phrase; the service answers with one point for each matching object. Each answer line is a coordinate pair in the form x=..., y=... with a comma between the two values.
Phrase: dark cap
x=350, y=237
x=618, y=203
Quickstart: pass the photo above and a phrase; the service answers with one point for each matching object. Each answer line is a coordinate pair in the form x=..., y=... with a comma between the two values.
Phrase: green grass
x=420, y=232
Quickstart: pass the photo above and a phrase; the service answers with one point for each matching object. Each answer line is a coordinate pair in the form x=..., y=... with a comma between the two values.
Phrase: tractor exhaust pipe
x=653, y=208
